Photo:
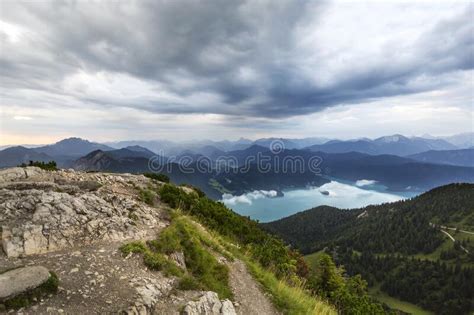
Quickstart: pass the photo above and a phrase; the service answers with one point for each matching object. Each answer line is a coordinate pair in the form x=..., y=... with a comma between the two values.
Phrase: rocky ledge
x=43, y=211
x=69, y=225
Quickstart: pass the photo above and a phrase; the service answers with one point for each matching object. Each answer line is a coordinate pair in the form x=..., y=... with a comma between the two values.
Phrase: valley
x=264, y=206
x=393, y=244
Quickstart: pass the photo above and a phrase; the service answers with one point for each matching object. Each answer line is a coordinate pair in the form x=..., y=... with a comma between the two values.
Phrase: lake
x=265, y=206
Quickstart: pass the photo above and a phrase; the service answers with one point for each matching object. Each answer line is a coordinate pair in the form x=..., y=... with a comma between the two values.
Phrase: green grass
x=147, y=196
x=188, y=282
x=448, y=244
x=435, y=255
x=183, y=235
x=292, y=300
x=153, y=260
x=396, y=303
x=312, y=259
x=267, y=258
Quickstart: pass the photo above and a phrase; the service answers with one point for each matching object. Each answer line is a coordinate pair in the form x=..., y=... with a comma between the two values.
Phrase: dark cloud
x=244, y=53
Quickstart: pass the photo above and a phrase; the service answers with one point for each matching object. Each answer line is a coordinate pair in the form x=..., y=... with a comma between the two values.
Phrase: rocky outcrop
x=21, y=280
x=149, y=291
x=209, y=304
x=42, y=211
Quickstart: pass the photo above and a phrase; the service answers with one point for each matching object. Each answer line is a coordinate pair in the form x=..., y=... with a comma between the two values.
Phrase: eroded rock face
x=149, y=291
x=42, y=211
x=20, y=280
x=209, y=304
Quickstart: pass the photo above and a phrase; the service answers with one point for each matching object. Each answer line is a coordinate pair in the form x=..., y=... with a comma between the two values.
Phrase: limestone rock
x=42, y=211
x=12, y=244
x=20, y=280
x=34, y=241
x=178, y=258
x=209, y=304
x=227, y=308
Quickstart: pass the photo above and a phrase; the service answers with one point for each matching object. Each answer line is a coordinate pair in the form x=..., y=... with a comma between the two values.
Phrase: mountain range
x=463, y=157
x=390, y=161
x=395, y=145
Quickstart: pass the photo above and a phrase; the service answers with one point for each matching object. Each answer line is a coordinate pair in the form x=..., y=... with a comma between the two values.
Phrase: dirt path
x=247, y=293
x=93, y=279
x=452, y=239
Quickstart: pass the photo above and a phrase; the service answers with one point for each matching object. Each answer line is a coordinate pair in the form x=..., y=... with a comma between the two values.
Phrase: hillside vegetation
x=400, y=246
x=282, y=272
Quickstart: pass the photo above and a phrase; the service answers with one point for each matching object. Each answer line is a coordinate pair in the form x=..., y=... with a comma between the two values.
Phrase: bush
x=189, y=283
x=133, y=247
x=147, y=196
x=198, y=191
x=158, y=176
x=50, y=166
x=175, y=197
x=152, y=259
x=268, y=250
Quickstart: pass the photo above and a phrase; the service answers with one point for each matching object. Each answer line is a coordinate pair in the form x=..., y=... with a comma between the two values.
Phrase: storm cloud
x=237, y=59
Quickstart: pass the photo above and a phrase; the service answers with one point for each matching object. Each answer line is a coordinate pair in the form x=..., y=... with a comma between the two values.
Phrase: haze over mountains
x=397, y=162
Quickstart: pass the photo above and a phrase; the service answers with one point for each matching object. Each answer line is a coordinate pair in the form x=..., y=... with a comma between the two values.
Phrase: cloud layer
x=229, y=62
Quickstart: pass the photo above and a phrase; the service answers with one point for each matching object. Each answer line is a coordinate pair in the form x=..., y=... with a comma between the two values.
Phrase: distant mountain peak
x=392, y=138
x=72, y=140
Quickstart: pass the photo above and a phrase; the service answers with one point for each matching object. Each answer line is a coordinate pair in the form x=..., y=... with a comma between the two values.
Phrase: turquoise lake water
x=265, y=207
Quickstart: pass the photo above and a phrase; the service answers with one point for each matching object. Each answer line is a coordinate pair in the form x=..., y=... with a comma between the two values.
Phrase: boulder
x=209, y=304
x=12, y=174
x=21, y=280
x=19, y=173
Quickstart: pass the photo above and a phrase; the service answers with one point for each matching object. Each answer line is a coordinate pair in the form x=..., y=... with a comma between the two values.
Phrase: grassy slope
x=396, y=303
x=292, y=300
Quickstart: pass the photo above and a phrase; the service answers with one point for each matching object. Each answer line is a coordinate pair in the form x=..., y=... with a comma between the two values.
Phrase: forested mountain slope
x=406, y=247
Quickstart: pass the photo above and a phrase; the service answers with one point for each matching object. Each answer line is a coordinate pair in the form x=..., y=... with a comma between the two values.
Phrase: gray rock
x=209, y=304
x=40, y=212
x=12, y=244
x=20, y=280
x=227, y=308
x=178, y=258
x=34, y=240
x=12, y=174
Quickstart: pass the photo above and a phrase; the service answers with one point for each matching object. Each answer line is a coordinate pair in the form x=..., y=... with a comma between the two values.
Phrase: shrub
x=188, y=282
x=176, y=197
x=133, y=247
x=198, y=191
x=50, y=166
x=147, y=196
x=158, y=176
x=152, y=259
x=266, y=249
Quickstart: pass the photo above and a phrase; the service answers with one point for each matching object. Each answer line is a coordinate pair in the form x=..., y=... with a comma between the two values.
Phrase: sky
x=181, y=70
